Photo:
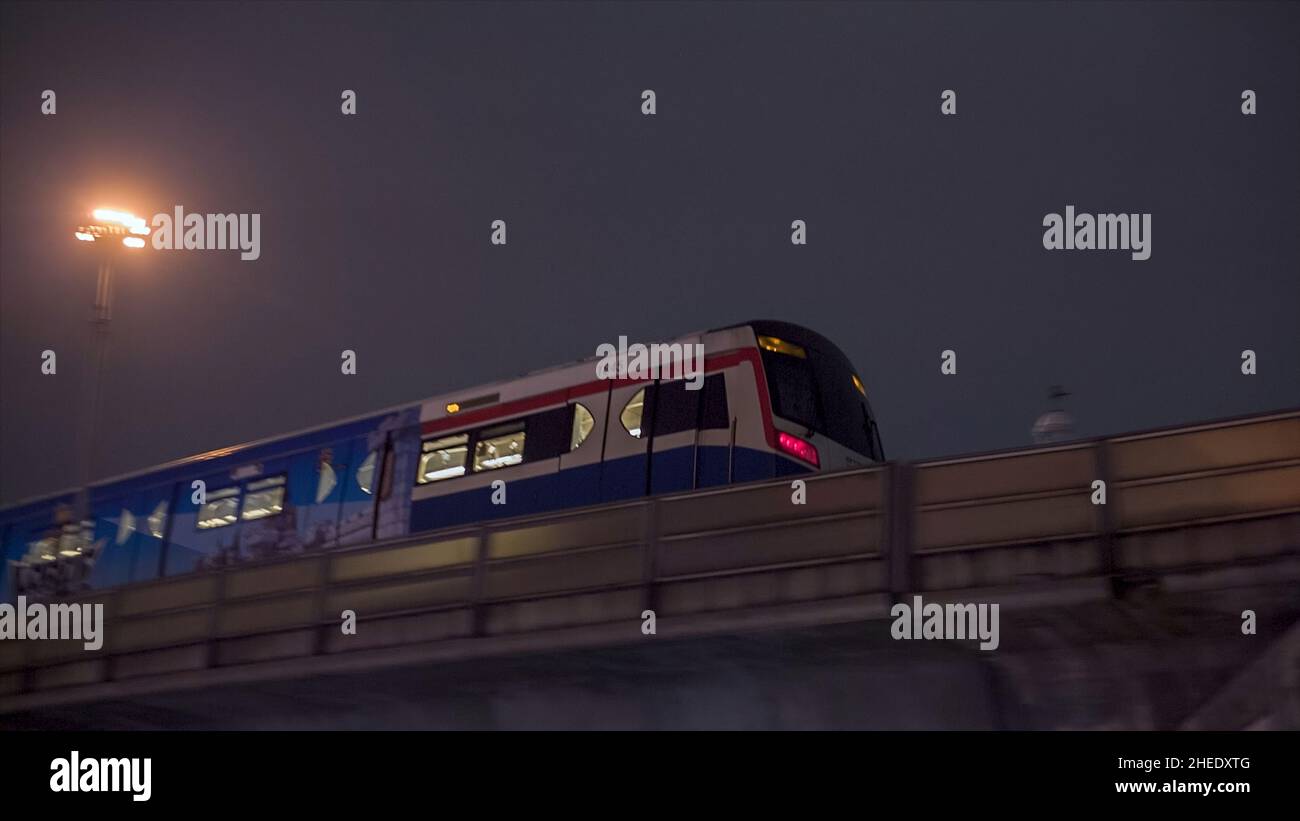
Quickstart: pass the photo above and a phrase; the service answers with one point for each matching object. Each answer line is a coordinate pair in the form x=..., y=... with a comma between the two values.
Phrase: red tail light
x=798, y=448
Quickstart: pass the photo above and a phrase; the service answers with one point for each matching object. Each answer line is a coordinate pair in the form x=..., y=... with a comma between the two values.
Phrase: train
x=776, y=399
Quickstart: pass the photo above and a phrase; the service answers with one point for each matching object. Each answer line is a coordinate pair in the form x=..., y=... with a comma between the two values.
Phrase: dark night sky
x=924, y=231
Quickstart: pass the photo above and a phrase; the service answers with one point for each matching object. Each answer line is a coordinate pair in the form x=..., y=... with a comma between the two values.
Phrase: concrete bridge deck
x=768, y=613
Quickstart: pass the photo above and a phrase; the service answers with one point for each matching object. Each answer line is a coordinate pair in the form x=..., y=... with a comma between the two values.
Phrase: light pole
x=109, y=231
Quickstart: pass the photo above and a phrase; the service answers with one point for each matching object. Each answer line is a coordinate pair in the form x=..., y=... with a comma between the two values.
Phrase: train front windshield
x=815, y=386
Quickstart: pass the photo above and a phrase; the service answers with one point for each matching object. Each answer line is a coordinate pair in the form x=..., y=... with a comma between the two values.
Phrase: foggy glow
x=111, y=223
x=123, y=218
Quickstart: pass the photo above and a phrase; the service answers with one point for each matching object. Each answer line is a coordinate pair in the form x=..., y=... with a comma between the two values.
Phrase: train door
x=674, y=436
x=580, y=468
x=370, y=494
x=325, y=483
x=690, y=436
x=151, y=532
x=355, y=513
x=129, y=533
x=400, y=456
x=714, y=444
x=115, y=541
x=624, y=467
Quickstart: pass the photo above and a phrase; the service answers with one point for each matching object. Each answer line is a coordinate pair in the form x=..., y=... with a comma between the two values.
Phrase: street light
x=108, y=230
x=110, y=227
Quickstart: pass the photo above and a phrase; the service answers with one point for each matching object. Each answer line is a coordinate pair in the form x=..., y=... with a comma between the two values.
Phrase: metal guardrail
x=989, y=521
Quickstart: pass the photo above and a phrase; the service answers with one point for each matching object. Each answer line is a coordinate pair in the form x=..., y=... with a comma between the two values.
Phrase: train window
x=794, y=394
x=548, y=433
x=443, y=458
x=676, y=409
x=158, y=520
x=632, y=413
x=499, y=447
x=583, y=422
x=714, y=413
x=366, y=473
x=845, y=416
x=263, y=498
x=220, y=509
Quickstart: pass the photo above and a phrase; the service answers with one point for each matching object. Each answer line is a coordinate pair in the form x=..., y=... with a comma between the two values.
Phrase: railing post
x=478, y=585
x=1105, y=521
x=1288, y=683
x=323, y=622
x=214, y=619
x=898, y=531
x=649, y=553
x=111, y=608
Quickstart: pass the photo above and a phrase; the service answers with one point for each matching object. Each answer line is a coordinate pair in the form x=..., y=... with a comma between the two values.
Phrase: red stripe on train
x=560, y=396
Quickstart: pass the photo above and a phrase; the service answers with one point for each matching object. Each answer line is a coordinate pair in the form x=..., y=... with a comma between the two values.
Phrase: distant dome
x=1053, y=426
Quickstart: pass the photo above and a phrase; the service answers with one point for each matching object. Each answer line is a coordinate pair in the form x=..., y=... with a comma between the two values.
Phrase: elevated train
x=777, y=399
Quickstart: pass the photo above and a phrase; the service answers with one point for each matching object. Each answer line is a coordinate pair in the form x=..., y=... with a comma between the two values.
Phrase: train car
x=775, y=399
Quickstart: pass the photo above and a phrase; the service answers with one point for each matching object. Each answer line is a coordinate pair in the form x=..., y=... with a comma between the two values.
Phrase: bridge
x=767, y=613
